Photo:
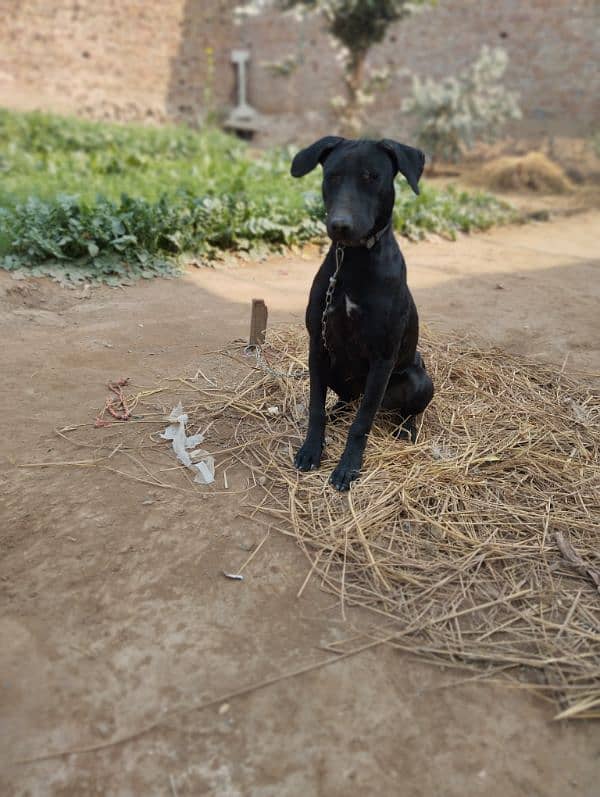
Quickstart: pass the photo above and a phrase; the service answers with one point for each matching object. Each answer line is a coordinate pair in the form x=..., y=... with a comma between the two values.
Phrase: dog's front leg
x=351, y=460
x=309, y=455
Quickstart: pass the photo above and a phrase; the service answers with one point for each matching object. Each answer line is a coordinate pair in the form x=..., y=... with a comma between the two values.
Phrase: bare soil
x=114, y=609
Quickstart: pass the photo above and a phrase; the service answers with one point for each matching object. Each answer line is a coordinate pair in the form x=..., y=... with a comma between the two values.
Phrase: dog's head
x=358, y=182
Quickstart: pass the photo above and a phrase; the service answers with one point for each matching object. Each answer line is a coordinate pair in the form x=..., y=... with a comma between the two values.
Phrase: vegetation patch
x=455, y=112
x=92, y=201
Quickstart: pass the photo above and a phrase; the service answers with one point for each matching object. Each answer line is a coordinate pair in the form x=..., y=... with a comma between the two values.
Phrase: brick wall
x=146, y=59
x=553, y=46
x=118, y=59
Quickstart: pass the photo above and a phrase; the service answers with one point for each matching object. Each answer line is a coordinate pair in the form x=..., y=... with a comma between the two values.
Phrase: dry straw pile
x=531, y=172
x=477, y=547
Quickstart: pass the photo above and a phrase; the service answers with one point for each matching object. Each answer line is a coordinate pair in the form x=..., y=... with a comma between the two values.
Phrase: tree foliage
x=357, y=25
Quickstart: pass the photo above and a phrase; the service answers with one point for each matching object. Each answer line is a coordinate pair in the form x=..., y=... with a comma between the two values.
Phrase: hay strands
x=478, y=545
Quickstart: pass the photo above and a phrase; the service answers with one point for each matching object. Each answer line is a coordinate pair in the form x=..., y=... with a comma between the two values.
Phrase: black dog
x=361, y=317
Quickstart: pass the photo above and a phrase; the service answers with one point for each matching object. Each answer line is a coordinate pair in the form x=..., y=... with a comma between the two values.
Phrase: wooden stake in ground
x=258, y=322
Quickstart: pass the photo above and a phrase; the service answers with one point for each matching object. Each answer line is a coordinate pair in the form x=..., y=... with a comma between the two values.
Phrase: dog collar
x=371, y=240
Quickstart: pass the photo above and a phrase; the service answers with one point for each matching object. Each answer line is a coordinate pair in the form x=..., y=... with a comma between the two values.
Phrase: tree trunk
x=353, y=116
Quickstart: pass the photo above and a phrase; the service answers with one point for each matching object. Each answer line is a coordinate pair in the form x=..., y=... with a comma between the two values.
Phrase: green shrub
x=457, y=111
x=81, y=200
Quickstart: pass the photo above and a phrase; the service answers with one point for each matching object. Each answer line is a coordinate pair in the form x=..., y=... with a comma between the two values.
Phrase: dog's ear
x=408, y=161
x=306, y=160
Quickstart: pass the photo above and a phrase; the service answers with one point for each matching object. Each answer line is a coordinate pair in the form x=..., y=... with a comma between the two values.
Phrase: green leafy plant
x=67, y=210
x=455, y=112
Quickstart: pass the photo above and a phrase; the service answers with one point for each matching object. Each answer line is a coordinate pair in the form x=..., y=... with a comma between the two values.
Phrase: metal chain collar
x=339, y=259
x=299, y=373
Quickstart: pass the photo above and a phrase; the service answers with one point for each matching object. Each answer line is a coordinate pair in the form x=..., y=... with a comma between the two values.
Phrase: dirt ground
x=114, y=610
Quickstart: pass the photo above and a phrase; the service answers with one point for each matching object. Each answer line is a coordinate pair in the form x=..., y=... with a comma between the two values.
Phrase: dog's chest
x=346, y=319
x=351, y=307
x=346, y=312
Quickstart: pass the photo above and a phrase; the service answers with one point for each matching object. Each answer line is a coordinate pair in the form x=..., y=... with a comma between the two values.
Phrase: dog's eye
x=370, y=177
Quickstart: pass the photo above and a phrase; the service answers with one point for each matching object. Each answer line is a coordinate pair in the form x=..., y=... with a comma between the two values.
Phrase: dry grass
x=477, y=547
x=531, y=172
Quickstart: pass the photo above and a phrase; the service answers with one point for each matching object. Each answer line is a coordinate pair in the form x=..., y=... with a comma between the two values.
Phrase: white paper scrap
x=205, y=468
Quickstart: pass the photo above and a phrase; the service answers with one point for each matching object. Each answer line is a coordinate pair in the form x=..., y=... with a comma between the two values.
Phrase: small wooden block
x=258, y=322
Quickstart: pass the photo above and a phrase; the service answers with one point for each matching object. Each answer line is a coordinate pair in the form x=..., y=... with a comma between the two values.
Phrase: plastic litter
x=197, y=460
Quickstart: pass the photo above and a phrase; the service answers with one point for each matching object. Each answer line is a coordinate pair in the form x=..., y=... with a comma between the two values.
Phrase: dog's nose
x=340, y=227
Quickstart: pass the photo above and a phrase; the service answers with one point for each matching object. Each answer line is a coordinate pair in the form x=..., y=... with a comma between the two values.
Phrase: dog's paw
x=309, y=456
x=346, y=472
